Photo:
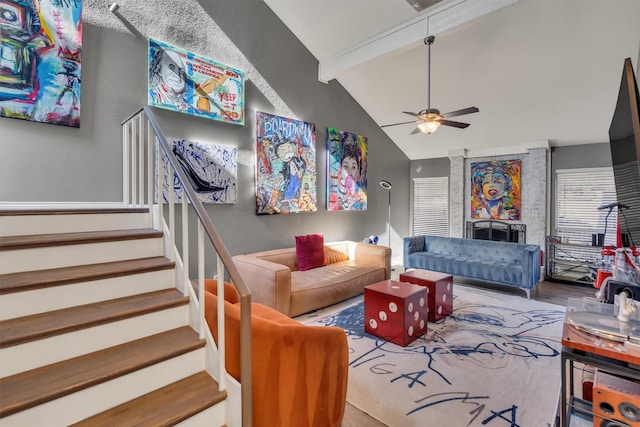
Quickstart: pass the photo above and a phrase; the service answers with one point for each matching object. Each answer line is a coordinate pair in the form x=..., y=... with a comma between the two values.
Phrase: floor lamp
x=387, y=186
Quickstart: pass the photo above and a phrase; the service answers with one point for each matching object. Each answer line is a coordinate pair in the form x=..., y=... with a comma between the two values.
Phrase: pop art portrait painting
x=346, y=171
x=496, y=189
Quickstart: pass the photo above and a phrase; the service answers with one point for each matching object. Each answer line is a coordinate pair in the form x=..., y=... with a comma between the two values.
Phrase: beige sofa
x=275, y=281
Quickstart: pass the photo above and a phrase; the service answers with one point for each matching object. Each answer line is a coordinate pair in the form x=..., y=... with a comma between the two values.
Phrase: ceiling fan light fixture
x=428, y=127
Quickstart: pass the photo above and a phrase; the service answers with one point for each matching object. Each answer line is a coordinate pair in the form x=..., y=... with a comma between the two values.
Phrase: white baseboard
x=60, y=205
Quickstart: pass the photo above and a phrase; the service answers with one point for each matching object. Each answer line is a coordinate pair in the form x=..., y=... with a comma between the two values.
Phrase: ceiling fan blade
x=396, y=124
x=411, y=114
x=416, y=130
x=454, y=124
x=460, y=112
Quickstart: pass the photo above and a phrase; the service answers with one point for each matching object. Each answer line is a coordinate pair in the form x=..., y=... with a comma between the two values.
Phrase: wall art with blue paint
x=495, y=189
x=286, y=165
x=41, y=61
x=191, y=84
x=212, y=171
x=346, y=171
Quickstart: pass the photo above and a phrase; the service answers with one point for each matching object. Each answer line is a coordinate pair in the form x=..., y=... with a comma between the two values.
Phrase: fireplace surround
x=499, y=231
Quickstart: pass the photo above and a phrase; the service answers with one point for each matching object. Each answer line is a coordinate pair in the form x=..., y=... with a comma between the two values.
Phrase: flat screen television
x=624, y=139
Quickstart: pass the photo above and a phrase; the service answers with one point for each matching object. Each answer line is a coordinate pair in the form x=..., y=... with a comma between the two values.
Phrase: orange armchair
x=299, y=372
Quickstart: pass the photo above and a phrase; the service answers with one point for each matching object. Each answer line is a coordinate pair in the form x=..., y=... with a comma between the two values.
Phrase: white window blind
x=579, y=193
x=431, y=206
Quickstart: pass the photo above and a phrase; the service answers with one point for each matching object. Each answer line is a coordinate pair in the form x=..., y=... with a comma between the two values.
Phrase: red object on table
x=440, y=289
x=395, y=311
x=602, y=274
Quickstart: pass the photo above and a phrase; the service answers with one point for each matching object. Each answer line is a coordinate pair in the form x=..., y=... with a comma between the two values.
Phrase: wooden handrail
x=225, y=257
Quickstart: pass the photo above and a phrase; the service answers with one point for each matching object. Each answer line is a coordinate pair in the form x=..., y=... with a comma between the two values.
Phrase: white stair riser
x=14, y=261
x=26, y=303
x=82, y=404
x=46, y=351
x=212, y=416
x=73, y=223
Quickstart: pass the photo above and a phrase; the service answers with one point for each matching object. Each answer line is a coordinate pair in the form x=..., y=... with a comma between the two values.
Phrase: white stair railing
x=143, y=140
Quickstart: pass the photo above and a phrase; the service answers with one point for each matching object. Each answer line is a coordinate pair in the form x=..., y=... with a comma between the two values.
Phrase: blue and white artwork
x=212, y=170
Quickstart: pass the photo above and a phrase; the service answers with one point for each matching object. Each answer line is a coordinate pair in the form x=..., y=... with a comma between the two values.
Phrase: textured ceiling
x=538, y=70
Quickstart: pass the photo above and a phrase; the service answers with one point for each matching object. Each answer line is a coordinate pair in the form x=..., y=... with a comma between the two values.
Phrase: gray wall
x=48, y=163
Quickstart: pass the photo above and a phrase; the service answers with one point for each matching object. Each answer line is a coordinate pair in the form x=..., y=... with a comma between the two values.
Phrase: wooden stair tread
x=30, y=280
x=69, y=211
x=31, y=388
x=59, y=239
x=164, y=407
x=29, y=328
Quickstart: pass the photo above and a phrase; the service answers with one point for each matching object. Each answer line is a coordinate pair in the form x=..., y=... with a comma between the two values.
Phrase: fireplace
x=499, y=231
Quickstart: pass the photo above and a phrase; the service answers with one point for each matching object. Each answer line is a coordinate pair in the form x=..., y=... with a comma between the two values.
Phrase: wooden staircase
x=93, y=331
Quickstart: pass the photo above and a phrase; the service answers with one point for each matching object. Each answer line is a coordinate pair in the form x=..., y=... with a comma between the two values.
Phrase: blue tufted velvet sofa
x=512, y=264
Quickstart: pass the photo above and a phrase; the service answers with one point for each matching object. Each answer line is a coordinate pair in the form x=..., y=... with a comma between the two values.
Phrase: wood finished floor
x=551, y=292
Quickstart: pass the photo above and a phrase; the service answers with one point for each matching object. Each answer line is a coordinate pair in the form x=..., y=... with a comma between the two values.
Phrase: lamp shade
x=385, y=184
x=429, y=127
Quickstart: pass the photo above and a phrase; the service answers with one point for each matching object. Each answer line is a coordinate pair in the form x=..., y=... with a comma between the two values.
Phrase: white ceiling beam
x=434, y=20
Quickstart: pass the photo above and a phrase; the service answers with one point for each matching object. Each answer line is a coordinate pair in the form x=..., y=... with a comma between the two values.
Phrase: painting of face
x=286, y=151
x=493, y=186
x=347, y=171
x=495, y=189
x=350, y=167
x=172, y=72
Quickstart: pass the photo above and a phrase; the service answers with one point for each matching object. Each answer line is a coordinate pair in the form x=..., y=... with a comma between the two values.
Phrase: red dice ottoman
x=440, y=286
x=395, y=311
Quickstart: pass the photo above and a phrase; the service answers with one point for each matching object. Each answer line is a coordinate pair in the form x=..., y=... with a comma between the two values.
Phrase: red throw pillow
x=310, y=251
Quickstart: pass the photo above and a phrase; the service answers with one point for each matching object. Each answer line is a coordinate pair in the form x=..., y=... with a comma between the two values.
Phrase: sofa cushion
x=310, y=251
x=333, y=255
x=330, y=284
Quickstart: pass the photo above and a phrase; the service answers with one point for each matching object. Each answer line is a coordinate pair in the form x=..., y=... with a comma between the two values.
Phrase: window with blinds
x=579, y=193
x=431, y=206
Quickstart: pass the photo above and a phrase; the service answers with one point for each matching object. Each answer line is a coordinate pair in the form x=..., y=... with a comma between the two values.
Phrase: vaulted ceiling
x=539, y=70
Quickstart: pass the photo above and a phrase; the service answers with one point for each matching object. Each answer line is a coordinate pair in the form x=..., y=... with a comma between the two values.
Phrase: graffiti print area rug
x=495, y=361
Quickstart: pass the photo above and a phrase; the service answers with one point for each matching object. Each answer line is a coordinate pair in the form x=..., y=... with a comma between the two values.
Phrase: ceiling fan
x=429, y=119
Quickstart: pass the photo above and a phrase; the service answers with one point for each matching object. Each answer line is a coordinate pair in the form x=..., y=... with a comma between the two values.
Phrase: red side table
x=395, y=311
x=440, y=289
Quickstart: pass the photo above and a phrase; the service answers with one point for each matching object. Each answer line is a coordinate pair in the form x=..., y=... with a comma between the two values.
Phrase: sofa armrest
x=412, y=244
x=531, y=265
x=366, y=253
x=269, y=282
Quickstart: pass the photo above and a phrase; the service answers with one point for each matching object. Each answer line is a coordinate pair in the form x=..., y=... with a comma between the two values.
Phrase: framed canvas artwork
x=286, y=165
x=346, y=171
x=41, y=61
x=211, y=169
x=191, y=84
x=495, y=190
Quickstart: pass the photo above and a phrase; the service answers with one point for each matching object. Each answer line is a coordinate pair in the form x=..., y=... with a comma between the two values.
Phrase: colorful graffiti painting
x=495, y=189
x=212, y=171
x=184, y=82
x=286, y=165
x=346, y=171
x=40, y=60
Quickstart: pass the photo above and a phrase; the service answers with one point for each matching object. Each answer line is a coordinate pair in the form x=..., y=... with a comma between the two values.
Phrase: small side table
x=395, y=311
x=440, y=290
